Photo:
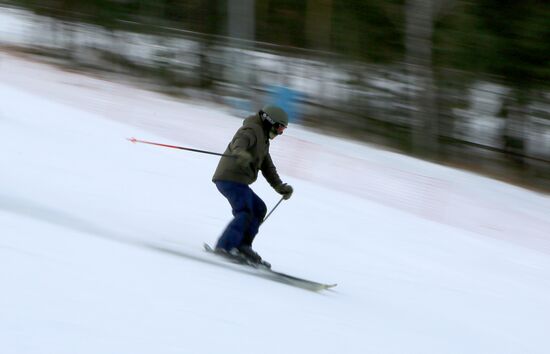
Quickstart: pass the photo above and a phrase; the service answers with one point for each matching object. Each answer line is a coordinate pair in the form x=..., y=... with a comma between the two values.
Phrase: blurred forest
x=456, y=81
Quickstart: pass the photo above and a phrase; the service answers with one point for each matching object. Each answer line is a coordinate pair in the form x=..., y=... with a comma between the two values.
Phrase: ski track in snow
x=101, y=239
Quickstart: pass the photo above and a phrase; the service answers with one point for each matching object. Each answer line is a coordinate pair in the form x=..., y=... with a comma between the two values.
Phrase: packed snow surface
x=101, y=239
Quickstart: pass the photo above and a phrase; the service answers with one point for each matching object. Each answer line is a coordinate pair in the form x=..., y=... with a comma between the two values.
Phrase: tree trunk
x=418, y=37
x=513, y=136
x=241, y=31
x=318, y=24
x=241, y=19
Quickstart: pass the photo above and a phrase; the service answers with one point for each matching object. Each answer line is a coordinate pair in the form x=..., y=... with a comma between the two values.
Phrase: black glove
x=285, y=190
x=243, y=158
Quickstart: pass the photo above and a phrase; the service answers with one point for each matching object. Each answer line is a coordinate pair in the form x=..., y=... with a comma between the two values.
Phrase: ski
x=268, y=273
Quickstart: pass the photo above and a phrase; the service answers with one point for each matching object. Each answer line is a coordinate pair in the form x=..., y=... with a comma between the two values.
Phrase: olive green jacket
x=254, y=138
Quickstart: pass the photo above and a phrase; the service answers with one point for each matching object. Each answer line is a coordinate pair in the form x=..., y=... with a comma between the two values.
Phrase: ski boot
x=251, y=256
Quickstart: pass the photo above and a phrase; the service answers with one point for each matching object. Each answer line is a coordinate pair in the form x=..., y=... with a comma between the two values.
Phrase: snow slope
x=100, y=239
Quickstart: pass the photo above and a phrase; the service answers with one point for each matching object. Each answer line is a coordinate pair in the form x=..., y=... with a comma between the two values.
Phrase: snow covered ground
x=101, y=239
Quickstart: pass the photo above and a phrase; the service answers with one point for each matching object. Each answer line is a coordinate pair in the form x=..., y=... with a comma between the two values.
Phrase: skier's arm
x=270, y=172
x=242, y=141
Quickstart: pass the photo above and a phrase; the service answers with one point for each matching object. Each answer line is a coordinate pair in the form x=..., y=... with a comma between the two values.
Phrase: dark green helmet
x=274, y=115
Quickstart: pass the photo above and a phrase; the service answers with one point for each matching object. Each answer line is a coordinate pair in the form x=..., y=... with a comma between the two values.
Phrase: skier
x=248, y=153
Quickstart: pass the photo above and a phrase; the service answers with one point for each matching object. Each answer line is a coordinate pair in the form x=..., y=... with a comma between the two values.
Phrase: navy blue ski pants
x=248, y=213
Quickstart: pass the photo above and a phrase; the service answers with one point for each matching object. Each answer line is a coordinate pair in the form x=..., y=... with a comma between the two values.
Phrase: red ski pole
x=134, y=140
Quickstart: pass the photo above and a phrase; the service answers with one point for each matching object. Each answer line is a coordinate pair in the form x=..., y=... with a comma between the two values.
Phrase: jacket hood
x=255, y=120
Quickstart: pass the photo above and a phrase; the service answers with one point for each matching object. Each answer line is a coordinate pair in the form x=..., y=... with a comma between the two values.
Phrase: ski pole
x=272, y=210
x=134, y=140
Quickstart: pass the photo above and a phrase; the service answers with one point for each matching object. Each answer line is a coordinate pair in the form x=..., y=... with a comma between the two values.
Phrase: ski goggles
x=279, y=128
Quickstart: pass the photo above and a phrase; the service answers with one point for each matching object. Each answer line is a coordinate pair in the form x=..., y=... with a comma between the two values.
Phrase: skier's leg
x=259, y=209
x=240, y=198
